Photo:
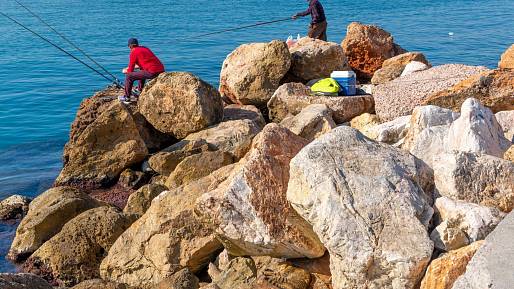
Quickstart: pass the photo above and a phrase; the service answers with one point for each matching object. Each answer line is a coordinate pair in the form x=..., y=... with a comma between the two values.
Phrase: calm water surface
x=41, y=88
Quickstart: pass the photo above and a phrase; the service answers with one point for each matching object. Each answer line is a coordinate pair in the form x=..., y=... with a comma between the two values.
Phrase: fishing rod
x=68, y=40
x=56, y=46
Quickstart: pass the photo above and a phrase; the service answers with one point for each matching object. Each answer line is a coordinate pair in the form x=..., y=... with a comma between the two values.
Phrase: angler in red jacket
x=149, y=67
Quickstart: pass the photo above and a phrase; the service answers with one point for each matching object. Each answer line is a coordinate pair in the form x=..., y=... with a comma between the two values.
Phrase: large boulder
x=14, y=207
x=252, y=72
x=75, y=253
x=197, y=166
x=312, y=122
x=234, y=137
x=506, y=121
x=99, y=284
x=462, y=223
x=139, y=201
x=165, y=161
x=239, y=111
x=494, y=89
x=507, y=59
x=167, y=238
x=180, y=103
x=377, y=238
x=251, y=212
x=46, y=216
x=367, y=47
x=314, y=58
x=183, y=279
x=476, y=130
x=392, y=132
x=475, y=178
x=443, y=271
x=491, y=266
x=241, y=273
x=393, y=67
x=366, y=123
x=400, y=96
x=22, y=281
x=291, y=98
x=107, y=146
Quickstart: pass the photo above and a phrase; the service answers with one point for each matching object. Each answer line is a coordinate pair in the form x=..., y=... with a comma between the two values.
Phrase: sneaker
x=124, y=99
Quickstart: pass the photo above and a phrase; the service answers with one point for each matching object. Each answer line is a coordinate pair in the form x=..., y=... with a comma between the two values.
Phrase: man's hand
x=124, y=70
x=294, y=17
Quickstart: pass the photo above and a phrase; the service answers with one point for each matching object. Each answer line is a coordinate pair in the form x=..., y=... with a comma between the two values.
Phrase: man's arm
x=304, y=13
x=132, y=62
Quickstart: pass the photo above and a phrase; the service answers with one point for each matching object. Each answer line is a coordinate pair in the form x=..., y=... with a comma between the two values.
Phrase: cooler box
x=347, y=80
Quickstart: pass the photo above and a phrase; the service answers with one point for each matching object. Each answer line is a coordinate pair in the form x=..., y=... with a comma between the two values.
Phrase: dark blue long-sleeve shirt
x=316, y=11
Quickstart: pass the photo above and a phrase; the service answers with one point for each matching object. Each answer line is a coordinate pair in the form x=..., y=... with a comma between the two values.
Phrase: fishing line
x=56, y=46
x=67, y=40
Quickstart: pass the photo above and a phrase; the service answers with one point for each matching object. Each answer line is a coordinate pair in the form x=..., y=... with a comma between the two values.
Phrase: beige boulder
x=165, y=161
x=475, y=178
x=392, y=132
x=393, y=67
x=46, y=216
x=239, y=111
x=241, y=273
x=139, y=201
x=167, y=238
x=509, y=154
x=312, y=122
x=234, y=137
x=367, y=47
x=180, y=103
x=507, y=58
x=314, y=58
x=494, y=89
x=74, y=254
x=197, y=166
x=291, y=98
x=376, y=238
x=22, y=281
x=107, y=146
x=99, y=284
x=252, y=72
x=366, y=123
x=506, y=121
x=443, y=271
x=183, y=279
x=251, y=212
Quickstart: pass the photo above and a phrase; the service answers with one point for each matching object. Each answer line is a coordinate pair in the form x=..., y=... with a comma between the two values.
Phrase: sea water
x=40, y=88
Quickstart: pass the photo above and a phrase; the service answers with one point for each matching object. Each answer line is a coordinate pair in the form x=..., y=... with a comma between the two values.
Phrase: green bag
x=327, y=87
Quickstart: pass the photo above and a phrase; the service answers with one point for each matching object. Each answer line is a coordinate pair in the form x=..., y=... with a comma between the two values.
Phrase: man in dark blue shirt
x=318, y=26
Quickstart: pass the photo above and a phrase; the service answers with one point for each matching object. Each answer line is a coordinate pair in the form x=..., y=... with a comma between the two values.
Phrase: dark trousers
x=140, y=75
x=318, y=31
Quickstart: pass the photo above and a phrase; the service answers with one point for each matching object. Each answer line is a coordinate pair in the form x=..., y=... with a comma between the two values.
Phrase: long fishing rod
x=238, y=28
x=67, y=40
x=56, y=46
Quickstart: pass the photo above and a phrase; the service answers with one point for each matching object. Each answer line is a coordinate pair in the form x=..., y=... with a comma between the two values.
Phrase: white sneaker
x=124, y=99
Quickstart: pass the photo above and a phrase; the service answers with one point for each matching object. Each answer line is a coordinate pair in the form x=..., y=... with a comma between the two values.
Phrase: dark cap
x=133, y=41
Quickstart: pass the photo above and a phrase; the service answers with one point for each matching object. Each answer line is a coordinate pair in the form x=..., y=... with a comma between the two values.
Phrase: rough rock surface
x=491, y=266
x=477, y=130
x=291, y=98
x=22, y=281
x=314, y=58
x=312, y=122
x=233, y=136
x=107, y=146
x=376, y=238
x=139, y=201
x=241, y=273
x=46, y=216
x=99, y=284
x=509, y=154
x=366, y=123
x=14, y=207
x=507, y=58
x=392, y=132
x=168, y=237
x=414, y=66
x=238, y=111
x=494, y=89
x=462, y=223
x=443, y=271
x=400, y=96
x=367, y=47
x=133, y=179
x=278, y=273
x=74, y=254
x=165, y=161
x=252, y=72
x=251, y=212
x=179, y=103
x=197, y=166
x=183, y=279
x=430, y=143
x=393, y=67
x=474, y=178
x=506, y=121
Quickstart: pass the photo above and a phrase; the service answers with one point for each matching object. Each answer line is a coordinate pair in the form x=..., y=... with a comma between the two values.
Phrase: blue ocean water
x=42, y=88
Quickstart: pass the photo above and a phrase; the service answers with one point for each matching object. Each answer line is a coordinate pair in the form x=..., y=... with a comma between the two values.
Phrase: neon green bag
x=326, y=86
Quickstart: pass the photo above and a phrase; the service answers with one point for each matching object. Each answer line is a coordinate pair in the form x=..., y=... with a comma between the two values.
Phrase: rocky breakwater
x=215, y=197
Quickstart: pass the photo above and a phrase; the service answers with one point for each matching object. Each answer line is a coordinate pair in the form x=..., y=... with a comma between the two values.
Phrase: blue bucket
x=347, y=80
